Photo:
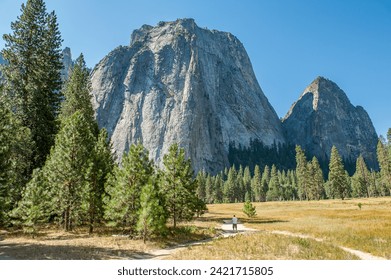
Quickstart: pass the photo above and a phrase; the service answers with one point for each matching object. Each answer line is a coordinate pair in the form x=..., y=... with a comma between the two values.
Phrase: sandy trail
x=227, y=232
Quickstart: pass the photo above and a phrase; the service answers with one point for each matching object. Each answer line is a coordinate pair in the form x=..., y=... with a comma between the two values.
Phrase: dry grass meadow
x=336, y=222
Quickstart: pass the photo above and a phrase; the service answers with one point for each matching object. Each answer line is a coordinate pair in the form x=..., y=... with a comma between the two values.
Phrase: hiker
x=234, y=223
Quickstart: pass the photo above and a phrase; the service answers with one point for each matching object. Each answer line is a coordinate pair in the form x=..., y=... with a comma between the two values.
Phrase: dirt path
x=227, y=232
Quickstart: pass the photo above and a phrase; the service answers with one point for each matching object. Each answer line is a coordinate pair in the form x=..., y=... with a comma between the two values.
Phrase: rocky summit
x=177, y=82
x=323, y=116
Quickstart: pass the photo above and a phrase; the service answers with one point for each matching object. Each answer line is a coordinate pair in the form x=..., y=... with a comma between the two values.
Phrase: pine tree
x=274, y=192
x=15, y=152
x=218, y=185
x=289, y=187
x=124, y=187
x=249, y=209
x=67, y=167
x=178, y=185
x=36, y=205
x=256, y=185
x=101, y=166
x=265, y=182
x=302, y=174
x=77, y=94
x=337, y=175
x=210, y=189
x=230, y=186
x=239, y=186
x=32, y=75
x=248, y=194
x=316, y=182
x=361, y=179
x=201, y=185
x=151, y=215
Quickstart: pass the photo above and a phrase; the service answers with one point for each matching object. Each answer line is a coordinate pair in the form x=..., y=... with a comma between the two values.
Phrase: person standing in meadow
x=234, y=223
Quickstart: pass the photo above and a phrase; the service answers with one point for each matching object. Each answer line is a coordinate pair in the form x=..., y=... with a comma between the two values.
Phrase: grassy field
x=337, y=222
x=263, y=246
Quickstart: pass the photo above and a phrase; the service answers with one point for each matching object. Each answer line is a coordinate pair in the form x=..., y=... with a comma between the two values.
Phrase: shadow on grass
x=264, y=221
x=26, y=251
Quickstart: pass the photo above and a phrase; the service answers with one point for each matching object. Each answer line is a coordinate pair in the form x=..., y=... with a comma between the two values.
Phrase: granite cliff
x=177, y=82
x=323, y=116
x=67, y=62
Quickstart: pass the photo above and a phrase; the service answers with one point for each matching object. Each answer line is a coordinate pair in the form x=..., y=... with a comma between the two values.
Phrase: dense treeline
x=281, y=155
x=305, y=181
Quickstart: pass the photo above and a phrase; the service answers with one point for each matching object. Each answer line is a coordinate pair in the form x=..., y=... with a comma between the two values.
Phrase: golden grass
x=263, y=246
x=337, y=222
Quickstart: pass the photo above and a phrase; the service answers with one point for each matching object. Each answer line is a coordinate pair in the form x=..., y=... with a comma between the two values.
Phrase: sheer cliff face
x=323, y=116
x=180, y=83
x=67, y=62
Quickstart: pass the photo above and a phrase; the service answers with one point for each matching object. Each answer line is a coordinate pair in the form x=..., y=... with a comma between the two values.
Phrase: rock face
x=67, y=62
x=2, y=61
x=323, y=116
x=180, y=83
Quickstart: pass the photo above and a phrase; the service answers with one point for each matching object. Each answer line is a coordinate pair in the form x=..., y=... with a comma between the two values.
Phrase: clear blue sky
x=289, y=42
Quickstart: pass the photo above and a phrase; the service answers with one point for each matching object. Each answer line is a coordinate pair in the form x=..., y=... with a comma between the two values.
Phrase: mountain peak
x=179, y=83
x=163, y=27
x=322, y=88
x=323, y=116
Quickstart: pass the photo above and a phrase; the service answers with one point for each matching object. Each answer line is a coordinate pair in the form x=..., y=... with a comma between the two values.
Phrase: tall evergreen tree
x=218, y=185
x=337, y=175
x=67, y=167
x=151, y=215
x=210, y=189
x=77, y=93
x=124, y=187
x=248, y=194
x=36, y=205
x=33, y=74
x=101, y=166
x=230, y=186
x=201, y=185
x=239, y=186
x=15, y=152
x=178, y=185
x=274, y=192
x=302, y=174
x=256, y=185
x=315, y=180
x=361, y=179
x=265, y=182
